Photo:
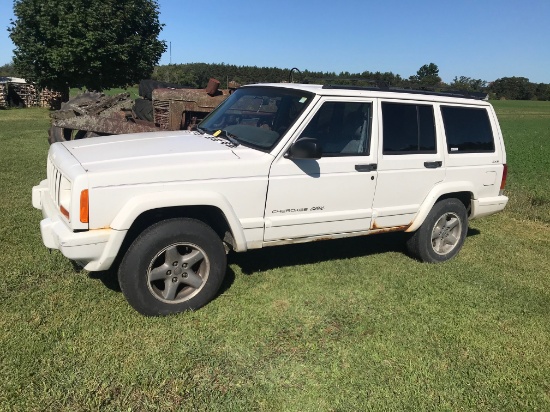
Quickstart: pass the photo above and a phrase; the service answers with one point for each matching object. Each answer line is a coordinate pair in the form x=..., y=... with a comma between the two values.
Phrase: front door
x=333, y=194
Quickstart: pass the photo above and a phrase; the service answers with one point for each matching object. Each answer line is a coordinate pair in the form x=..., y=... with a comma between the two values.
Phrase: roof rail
x=384, y=87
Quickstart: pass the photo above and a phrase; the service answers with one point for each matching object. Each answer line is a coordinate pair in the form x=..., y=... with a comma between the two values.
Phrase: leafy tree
x=97, y=44
x=542, y=91
x=427, y=76
x=8, y=70
x=468, y=84
x=513, y=88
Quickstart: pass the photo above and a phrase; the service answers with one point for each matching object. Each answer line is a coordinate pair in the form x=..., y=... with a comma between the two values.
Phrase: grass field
x=345, y=325
x=133, y=91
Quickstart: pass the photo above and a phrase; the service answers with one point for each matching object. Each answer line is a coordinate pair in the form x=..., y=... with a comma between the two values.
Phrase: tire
x=143, y=109
x=60, y=134
x=173, y=266
x=442, y=234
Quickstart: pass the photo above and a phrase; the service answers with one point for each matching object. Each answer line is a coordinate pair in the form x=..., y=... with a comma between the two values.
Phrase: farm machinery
x=162, y=106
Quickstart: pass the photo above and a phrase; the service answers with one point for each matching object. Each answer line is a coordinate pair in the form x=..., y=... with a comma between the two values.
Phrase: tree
x=542, y=91
x=8, y=70
x=468, y=84
x=427, y=76
x=97, y=44
x=513, y=88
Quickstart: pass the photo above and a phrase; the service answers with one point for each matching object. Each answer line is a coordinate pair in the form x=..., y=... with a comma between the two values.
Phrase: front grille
x=54, y=181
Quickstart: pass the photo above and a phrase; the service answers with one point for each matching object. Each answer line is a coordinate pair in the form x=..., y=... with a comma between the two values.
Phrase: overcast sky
x=482, y=39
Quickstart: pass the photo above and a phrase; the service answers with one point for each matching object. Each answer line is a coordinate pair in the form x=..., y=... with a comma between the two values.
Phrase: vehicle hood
x=162, y=156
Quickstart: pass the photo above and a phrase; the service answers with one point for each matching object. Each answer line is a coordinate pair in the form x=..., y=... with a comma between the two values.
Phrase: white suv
x=273, y=164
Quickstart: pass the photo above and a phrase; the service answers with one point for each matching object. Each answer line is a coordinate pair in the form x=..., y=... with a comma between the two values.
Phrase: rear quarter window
x=468, y=129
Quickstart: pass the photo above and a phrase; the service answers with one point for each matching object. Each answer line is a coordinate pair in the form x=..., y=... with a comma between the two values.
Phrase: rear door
x=410, y=160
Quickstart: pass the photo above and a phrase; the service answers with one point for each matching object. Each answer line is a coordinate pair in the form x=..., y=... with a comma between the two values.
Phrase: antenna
x=170, y=52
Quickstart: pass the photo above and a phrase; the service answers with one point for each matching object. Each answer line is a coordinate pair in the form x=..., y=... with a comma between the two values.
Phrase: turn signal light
x=64, y=212
x=84, y=206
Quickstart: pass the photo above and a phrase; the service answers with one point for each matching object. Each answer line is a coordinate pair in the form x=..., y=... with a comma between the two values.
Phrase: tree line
x=196, y=75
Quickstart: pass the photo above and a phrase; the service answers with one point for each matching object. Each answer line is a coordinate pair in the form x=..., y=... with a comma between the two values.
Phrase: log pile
x=3, y=96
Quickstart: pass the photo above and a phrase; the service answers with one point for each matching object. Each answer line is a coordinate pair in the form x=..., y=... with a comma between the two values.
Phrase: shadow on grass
x=292, y=255
x=109, y=278
x=472, y=232
x=313, y=252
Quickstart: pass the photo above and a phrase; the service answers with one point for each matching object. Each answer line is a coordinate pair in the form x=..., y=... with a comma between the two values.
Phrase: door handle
x=366, y=168
x=433, y=165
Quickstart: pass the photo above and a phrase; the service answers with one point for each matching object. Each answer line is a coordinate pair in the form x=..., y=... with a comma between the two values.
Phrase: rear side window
x=408, y=128
x=468, y=129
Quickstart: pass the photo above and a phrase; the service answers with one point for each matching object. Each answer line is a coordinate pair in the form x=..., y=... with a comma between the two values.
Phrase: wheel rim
x=446, y=233
x=178, y=272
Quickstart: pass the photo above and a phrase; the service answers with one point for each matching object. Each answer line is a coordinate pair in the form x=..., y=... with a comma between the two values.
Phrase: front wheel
x=442, y=234
x=174, y=265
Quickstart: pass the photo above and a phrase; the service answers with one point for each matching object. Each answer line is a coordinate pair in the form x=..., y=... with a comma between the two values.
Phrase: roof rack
x=382, y=86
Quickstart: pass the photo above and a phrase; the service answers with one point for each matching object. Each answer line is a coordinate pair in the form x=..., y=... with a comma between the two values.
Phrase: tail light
x=504, y=176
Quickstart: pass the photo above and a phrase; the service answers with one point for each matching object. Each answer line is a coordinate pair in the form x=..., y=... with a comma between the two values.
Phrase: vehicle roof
x=401, y=94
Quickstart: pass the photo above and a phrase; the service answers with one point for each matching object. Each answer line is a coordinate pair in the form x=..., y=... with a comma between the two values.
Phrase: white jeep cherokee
x=273, y=164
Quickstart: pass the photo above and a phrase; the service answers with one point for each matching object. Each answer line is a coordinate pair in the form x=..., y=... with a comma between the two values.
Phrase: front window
x=257, y=116
x=342, y=128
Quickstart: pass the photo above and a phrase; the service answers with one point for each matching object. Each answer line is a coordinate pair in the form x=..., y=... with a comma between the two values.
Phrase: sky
x=481, y=39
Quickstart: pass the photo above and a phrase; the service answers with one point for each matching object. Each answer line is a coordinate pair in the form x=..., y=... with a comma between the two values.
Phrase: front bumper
x=93, y=249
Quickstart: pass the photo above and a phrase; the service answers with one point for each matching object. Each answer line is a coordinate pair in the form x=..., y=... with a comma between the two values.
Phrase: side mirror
x=305, y=148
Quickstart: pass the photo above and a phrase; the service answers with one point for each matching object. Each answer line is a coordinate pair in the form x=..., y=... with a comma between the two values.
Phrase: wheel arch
x=211, y=208
x=463, y=191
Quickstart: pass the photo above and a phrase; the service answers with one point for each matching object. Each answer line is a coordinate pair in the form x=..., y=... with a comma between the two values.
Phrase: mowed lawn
x=347, y=325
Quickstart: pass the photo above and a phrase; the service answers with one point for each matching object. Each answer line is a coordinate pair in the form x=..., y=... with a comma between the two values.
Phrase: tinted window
x=342, y=128
x=408, y=128
x=467, y=129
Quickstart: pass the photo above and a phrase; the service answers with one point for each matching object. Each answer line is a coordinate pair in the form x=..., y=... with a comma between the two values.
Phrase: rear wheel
x=174, y=265
x=442, y=234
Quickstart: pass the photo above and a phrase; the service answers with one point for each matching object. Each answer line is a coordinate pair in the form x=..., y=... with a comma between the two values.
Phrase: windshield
x=257, y=116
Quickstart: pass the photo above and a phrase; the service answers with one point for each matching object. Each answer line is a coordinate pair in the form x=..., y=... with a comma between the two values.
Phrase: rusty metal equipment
x=94, y=114
x=175, y=109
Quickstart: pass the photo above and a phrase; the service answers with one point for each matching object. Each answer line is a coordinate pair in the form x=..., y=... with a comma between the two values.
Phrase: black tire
x=143, y=109
x=442, y=234
x=60, y=134
x=173, y=266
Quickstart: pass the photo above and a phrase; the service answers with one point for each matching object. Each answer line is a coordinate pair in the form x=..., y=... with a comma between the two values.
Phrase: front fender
x=143, y=203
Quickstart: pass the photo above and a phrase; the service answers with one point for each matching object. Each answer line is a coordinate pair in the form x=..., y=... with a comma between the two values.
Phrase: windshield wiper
x=228, y=136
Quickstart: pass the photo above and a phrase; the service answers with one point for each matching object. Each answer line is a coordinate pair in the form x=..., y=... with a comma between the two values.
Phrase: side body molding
x=143, y=203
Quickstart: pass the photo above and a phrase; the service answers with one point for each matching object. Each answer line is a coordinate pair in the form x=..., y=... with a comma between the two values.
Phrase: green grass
x=345, y=325
x=132, y=90
x=526, y=129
